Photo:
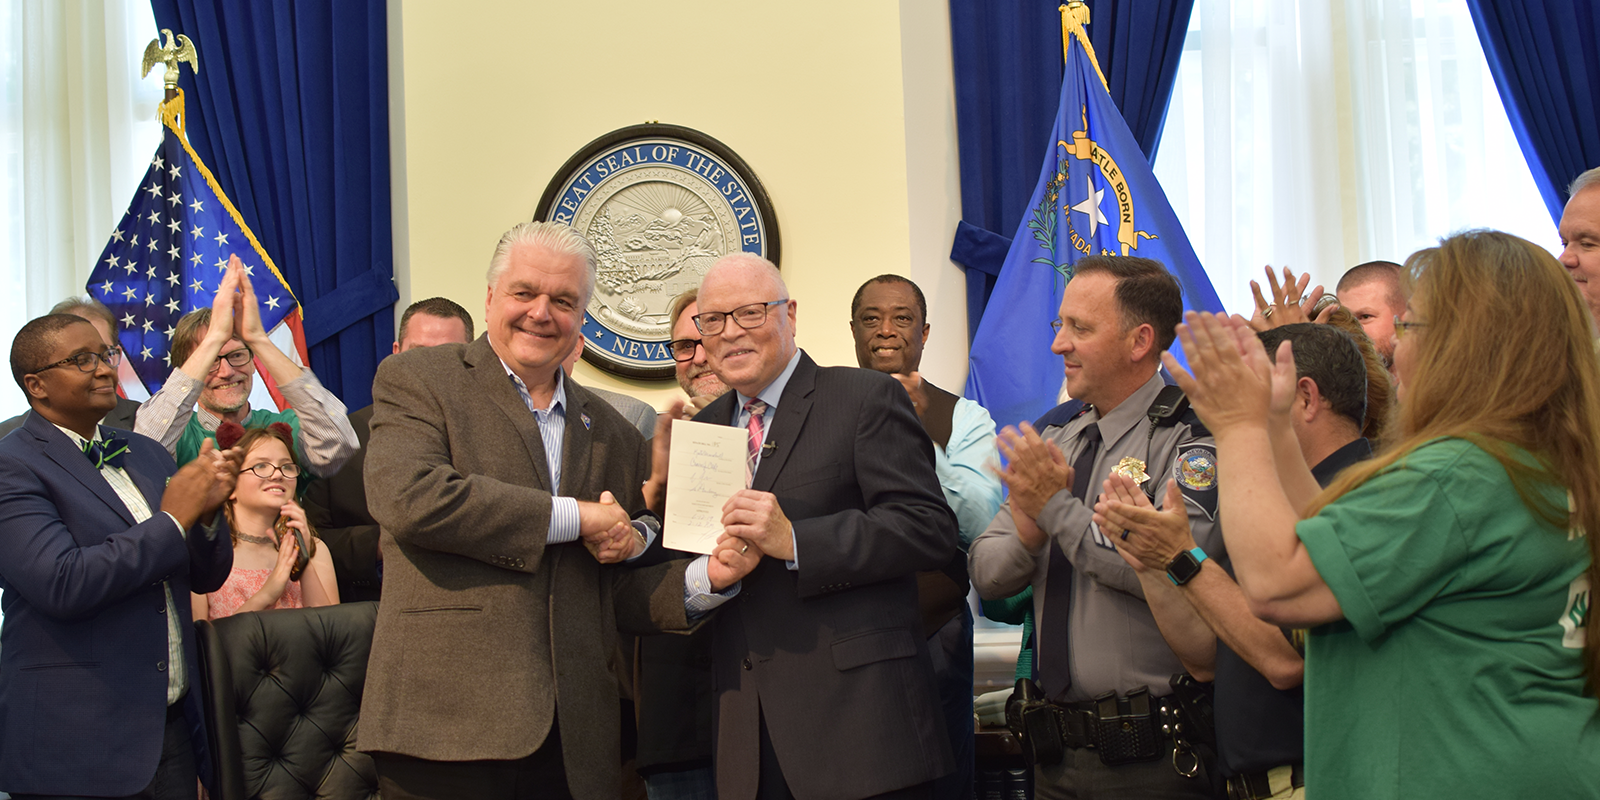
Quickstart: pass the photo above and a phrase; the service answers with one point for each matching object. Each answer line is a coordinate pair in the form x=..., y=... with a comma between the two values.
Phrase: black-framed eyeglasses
x=1401, y=327
x=1055, y=324
x=683, y=349
x=236, y=359
x=87, y=362
x=265, y=470
x=754, y=315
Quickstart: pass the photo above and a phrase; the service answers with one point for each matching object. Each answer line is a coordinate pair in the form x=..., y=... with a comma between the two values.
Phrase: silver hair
x=742, y=259
x=552, y=236
x=1588, y=178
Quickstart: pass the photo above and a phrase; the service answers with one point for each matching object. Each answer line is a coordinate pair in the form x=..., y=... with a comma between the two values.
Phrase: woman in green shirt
x=1454, y=651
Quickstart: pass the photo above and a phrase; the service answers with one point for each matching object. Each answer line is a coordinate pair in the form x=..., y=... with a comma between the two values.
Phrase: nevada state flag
x=1095, y=195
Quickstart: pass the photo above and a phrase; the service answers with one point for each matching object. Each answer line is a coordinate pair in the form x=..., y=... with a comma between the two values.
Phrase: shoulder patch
x=1195, y=469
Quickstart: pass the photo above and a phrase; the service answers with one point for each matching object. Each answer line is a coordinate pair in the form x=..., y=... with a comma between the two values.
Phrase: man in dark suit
x=502, y=488
x=337, y=506
x=121, y=415
x=98, y=668
x=824, y=685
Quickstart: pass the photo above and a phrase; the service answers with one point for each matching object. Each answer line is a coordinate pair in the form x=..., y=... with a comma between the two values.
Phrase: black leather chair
x=283, y=694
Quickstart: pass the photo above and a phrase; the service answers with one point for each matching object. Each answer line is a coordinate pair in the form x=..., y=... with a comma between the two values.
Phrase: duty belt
x=1124, y=729
x=1258, y=785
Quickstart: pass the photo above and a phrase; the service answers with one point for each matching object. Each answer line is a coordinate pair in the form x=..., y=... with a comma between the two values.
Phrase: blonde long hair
x=1501, y=311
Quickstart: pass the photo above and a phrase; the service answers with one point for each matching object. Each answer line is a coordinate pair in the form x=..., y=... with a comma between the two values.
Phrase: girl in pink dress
x=267, y=527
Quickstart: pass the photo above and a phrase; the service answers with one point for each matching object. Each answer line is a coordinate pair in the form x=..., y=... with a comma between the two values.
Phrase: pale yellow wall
x=852, y=134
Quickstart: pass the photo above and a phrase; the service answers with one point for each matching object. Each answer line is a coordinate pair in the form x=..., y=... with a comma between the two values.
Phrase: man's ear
x=1142, y=340
x=1307, y=392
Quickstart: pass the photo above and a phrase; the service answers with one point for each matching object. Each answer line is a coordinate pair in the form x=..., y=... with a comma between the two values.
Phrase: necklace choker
x=245, y=537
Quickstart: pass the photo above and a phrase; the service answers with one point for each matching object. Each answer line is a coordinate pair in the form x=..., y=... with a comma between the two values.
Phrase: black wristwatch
x=1184, y=566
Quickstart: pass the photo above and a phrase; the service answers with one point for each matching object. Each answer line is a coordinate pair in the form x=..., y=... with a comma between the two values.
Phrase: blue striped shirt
x=698, y=599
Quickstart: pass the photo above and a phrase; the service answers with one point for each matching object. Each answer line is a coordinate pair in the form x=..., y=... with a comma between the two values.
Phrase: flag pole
x=1075, y=15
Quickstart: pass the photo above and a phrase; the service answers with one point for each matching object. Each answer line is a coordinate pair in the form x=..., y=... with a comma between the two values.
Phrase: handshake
x=608, y=533
x=606, y=530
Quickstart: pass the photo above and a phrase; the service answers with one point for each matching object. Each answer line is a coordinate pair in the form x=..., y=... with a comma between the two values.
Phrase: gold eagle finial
x=170, y=55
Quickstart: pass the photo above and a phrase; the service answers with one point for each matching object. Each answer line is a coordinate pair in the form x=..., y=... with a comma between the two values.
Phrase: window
x=1319, y=135
x=80, y=128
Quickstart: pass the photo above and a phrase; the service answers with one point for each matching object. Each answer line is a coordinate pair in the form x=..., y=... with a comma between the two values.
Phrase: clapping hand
x=1146, y=537
x=1035, y=469
x=1229, y=380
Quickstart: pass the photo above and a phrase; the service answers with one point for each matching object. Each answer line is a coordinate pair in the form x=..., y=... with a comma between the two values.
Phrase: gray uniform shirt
x=1114, y=643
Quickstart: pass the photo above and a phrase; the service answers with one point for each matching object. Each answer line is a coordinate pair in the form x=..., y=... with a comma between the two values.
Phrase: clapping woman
x=1447, y=581
x=277, y=562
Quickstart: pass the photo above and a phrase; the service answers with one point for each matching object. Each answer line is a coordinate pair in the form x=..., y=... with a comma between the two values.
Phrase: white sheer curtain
x=80, y=129
x=1320, y=134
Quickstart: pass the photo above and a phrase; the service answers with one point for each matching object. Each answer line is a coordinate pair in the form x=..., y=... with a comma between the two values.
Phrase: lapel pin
x=585, y=418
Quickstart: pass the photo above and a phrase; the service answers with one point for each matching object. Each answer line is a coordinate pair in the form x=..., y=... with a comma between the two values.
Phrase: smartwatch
x=1184, y=566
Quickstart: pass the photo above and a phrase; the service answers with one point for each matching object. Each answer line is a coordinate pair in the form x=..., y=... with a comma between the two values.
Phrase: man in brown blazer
x=337, y=505
x=503, y=490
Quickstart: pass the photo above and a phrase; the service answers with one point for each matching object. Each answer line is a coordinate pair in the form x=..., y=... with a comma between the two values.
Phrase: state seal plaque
x=660, y=204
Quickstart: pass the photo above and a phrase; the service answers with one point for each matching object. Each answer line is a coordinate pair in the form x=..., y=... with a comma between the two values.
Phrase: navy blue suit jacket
x=83, y=644
x=832, y=654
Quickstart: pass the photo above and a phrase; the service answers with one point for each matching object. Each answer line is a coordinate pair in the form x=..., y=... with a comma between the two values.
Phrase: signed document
x=707, y=466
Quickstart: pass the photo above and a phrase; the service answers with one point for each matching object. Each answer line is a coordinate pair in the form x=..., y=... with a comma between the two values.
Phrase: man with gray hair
x=823, y=680
x=504, y=492
x=1580, y=237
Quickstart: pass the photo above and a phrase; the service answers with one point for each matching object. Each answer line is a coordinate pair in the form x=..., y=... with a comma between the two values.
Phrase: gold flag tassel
x=1074, y=16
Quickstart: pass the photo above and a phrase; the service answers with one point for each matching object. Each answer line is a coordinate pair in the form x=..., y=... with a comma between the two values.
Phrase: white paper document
x=705, y=468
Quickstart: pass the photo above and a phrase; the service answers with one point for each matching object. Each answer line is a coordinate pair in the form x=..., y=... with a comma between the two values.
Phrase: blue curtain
x=290, y=111
x=1008, y=67
x=1545, y=58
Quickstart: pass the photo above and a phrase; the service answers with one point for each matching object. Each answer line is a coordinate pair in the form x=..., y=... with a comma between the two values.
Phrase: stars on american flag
x=157, y=263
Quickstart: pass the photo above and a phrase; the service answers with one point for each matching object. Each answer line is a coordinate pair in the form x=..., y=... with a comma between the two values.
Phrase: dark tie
x=106, y=453
x=1055, y=664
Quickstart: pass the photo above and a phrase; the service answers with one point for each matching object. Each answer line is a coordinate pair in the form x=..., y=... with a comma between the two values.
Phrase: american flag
x=169, y=253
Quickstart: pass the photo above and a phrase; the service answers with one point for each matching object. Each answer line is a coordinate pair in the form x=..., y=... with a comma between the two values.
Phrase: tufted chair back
x=283, y=693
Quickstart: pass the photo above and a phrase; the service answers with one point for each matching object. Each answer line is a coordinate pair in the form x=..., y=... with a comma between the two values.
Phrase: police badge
x=660, y=204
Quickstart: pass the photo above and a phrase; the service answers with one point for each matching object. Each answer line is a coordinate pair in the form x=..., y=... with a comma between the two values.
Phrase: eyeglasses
x=751, y=316
x=265, y=470
x=1401, y=328
x=683, y=349
x=236, y=359
x=1055, y=324
x=87, y=362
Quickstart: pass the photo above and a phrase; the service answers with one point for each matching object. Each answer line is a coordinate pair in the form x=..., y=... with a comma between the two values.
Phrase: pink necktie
x=757, y=409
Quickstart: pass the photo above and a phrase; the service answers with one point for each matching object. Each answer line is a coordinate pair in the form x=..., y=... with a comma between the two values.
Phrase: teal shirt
x=1457, y=671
